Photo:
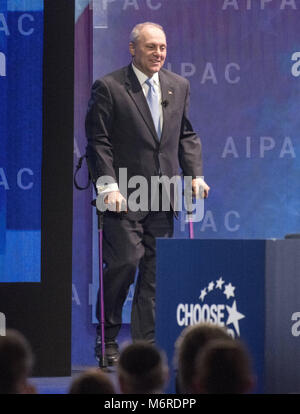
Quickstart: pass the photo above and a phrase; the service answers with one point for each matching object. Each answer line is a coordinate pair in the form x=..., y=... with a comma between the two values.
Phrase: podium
x=248, y=286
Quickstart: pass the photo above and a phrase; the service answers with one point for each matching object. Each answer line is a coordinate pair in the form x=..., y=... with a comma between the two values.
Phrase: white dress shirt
x=142, y=79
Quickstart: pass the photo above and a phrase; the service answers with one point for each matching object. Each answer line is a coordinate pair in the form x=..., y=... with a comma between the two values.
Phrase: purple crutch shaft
x=101, y=292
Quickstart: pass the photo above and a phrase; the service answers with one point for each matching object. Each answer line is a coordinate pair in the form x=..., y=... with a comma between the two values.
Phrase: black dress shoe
x=111, y=351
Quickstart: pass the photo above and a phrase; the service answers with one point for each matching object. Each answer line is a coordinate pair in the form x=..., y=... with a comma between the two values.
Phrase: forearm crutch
x=100, y=215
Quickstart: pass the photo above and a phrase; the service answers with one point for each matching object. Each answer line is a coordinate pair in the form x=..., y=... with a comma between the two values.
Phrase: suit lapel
x=167, y=95
x=136, y=92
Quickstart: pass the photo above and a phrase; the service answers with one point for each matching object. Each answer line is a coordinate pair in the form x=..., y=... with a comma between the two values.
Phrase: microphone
x=165, y=103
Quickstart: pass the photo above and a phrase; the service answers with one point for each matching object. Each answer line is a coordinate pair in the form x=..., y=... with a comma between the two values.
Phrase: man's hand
x=200, y=188
x=116, y=202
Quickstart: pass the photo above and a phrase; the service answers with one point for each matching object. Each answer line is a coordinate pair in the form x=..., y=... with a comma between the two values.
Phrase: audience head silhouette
x=188, y=345
x=223, y=367
x=142, y=369
x=16, y=361
x=92, y=381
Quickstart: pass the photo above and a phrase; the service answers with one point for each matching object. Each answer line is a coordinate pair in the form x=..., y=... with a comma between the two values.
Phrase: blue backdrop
x=244, y=101
x=242, y=58
x=21, y=57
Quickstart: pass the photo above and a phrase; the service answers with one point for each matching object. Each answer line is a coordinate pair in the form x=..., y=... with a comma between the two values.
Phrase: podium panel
x=219, y=281
x=282, y=345
x=249, y=286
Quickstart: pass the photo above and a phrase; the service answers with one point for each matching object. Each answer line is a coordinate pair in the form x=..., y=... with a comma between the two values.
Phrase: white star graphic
x=234, y=316
x=229, y=290
x=220, y=283
x=203, y=294
x=211, y=286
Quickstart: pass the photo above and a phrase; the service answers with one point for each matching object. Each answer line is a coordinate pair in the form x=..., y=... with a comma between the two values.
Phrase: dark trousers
x=128, y=245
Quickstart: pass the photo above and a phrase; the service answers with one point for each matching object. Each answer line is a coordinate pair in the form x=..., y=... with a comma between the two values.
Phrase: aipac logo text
x=217, y=304
x=2, y=64
x=24, y=24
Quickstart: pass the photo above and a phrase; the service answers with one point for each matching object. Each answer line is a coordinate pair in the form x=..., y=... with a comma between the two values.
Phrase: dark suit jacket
x=121, y=133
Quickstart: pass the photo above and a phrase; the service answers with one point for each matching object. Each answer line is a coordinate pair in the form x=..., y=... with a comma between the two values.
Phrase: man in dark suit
x=137, y=120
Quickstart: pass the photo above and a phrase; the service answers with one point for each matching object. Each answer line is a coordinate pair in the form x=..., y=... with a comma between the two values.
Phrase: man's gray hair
x=136, y=31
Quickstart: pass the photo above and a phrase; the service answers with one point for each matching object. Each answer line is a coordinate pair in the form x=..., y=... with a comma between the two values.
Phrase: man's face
x=150, y=50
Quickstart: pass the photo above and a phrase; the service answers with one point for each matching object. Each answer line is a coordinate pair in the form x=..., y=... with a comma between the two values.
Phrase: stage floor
x=61, y=385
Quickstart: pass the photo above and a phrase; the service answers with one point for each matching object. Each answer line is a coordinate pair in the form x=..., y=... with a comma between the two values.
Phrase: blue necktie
x=152, y=99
